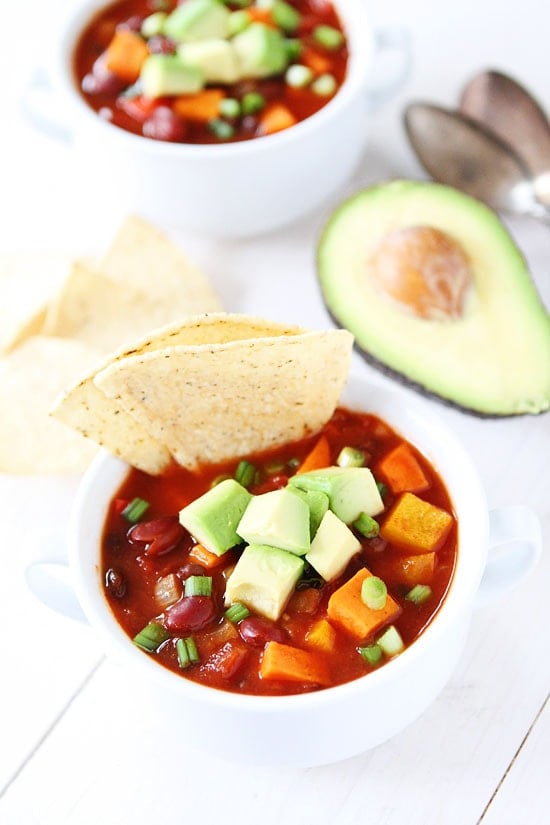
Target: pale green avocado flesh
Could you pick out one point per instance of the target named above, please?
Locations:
(493, 358)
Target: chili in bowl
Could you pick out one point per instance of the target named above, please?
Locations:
(217, 182)
(211, 685)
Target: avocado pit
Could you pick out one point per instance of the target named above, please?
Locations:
(424, 270)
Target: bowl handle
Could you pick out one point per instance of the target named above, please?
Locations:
(392, 64)
(515, 546)
(47, 572)
(41, 108)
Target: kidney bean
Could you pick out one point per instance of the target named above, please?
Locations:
(102, 84)
(115, 583)
(189, 614)
(165, 125)
(191, 569)
(160, 44)
(132, 24)
(159, 535)
(258, 631)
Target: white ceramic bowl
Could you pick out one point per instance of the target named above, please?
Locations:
(229, 190)
(335, 723)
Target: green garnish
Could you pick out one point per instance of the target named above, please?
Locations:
(151, 637)
(221, 128)
(350, 457)
(293, 463)
(325, 85)
(293, 48)
(237, 22)
(135, 510)
(245, 473)
(374, 593)
(367, 526)
(419, 594)
(187, 652)
(328, 37)
(371, 654)
(237, 612)
(285, 16)
(391, 642)
(252, 102)
(230, 107)
(298, 76)
(198, 586)
(382, 488)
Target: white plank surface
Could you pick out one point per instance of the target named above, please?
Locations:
(78, 742)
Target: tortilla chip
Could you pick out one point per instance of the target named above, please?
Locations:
(107, 314)
(211, 402)
(26, 282)
(142, 258)
(31, 377)
(100, 418)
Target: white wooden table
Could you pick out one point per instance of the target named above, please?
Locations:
(75, 747)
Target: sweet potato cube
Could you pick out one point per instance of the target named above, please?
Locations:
(347, 609)
(402, 471)
(416, 525)
(322, 636)
(126, 54)
(413, 570)
(291, 664)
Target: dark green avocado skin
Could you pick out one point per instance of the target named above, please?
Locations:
(413, 385)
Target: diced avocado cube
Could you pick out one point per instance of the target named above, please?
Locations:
(278, 518)
(197, 20)
(167, 74)
(261, 51)
(212, 518)
(263, 579)
(333, 547)
(214, 57)
(318, 504)
(351, 490)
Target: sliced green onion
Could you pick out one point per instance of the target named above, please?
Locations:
(285, 16)
(153, 24)
(293, 48)
(391, 642)
(237, 612)
(187, 652)
(221, 128)
(325, 85)
(328, 37)
(237, 22)
(241, 4)
(245, 473)
(293, 463)
(198, 586)
(371, 653)
(350, 457)
(298, 76)
(419, 594)
(374, 593)
(151, 637)
(135, 510)
(382, 488)
(367, 526)
(273, 467)
(252, 102)
(230, 107)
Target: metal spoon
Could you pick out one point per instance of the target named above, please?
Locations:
(500, 103)
(458, 151)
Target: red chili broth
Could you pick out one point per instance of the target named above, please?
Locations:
(177, 487)
(302, 103)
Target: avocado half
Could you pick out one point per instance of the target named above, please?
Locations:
(435, 292)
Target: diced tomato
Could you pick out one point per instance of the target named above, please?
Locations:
(139, 108)
(120, 504)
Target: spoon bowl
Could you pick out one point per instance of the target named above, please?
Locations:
(458, 151)
(504, 106)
